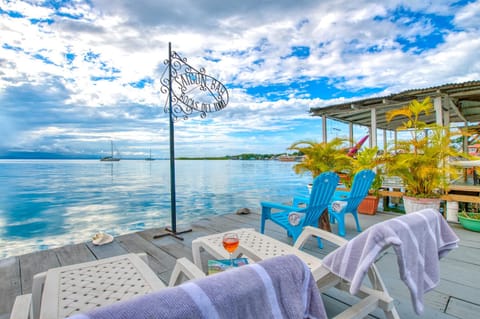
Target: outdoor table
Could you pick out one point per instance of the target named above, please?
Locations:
(254, 246)
(83, 287)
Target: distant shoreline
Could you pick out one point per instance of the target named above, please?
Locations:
(132, 159)
(56, 156)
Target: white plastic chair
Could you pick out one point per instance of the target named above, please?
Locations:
(256, 247)
(28, 305)
(371, 298)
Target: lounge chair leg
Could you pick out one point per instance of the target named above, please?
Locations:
(186, 267)
(22, 307)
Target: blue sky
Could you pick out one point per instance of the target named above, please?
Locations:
(76, 74)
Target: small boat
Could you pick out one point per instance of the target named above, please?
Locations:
(110, 158)
(149, 158)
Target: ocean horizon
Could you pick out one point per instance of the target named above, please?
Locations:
(51, 203)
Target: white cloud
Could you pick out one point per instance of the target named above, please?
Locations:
(59, 59)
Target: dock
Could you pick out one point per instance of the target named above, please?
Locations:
(457, 295)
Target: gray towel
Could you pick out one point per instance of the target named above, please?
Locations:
(281, 287)
(419, 239)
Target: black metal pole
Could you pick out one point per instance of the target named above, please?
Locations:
(173, 200)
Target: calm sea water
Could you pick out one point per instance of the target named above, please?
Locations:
(50, 203)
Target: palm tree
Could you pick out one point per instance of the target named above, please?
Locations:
(422, 161)
(322, 157)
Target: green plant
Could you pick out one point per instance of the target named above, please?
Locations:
(377, 183)
(421, 161)
(469, 215)
(368, 158)
(322, 157)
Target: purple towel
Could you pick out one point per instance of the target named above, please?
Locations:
(281, 287)
(419, 239)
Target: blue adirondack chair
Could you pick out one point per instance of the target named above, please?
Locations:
(349, 200)
(321, 196)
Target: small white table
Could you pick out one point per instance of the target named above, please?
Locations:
(254, 246)
(82, 287)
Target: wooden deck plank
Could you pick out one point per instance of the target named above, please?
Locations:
(462, 309)
(388, 268)
(456, 294)
(334, 304)
(217, 224)
(34, 263)
(73, 254)
(10, 283)
(105, 251)
(462, 285)
(161, 262)
(172, 246)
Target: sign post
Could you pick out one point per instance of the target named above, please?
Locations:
(189, 91)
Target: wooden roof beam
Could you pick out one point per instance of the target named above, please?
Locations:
(455, 108)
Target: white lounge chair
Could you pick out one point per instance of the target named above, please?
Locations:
(281, 287)
(63, 291)
(257, 247)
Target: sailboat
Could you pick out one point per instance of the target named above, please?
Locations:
(149, 158)
(110, 158)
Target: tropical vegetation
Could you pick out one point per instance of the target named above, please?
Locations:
(368, 158)
(422, 160)
(322, 157)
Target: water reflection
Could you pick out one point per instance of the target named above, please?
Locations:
(45, 204)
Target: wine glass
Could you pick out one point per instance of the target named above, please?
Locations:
(230, 242)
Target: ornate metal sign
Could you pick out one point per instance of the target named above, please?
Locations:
(191, 90)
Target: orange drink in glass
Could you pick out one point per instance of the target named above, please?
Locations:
(230, 242)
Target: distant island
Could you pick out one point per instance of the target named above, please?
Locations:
(43, 155)
(46, 155)
(247, 156)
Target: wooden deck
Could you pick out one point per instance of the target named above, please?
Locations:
(457, 296)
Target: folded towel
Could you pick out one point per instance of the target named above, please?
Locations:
(281, 287)
(338, 205)
(419, 239)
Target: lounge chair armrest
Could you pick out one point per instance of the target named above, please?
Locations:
(37, 292)
(297, 200)
(312, 231)
(186, 267)
(22, 307)
(144, 257)
(281, 207)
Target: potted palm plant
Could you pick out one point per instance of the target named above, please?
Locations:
(421, 161)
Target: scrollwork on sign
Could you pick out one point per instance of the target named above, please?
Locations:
(192, 90)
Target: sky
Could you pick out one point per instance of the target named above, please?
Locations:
(75, 75)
